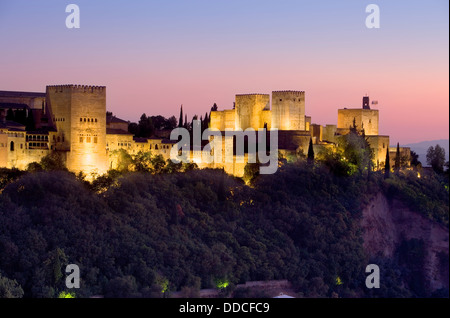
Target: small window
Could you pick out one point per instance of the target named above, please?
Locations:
(88, 139)
(95, 119)
(81, 139)
(12, 146)
(89, 120)
(281, 100)
(81, 119)
(85, 120)
(95, 140)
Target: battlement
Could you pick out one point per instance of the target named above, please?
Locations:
(253, 94)
(293, 93)
(76, 88)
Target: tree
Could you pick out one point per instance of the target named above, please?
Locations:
(414, 159)
(133, 128)
(436, 158)
(158, 163)
(397, 159)
(214, 107)
(53, 161)
(387, 165)
(10, 114)
(145, 126)
(142, 161)
(123, 160)
(310, 152)
(251, 171)
(180, 121)
(10, 288)
(171, 123)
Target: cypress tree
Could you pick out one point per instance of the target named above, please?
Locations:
(310, 152)
(397, 159)
(387, 165)
(180, 121)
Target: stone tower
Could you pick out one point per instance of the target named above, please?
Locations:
(79, 115)
(288, 110)
(250, 110)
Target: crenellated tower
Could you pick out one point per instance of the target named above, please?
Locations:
(288, 110)
(79, 114)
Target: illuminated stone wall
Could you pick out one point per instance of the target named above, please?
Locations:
(249, 108)
(222, 120)
(379, 144)
(288, 110)
(367, 118)
(79, 114)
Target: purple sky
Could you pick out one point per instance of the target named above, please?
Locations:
(154, 56)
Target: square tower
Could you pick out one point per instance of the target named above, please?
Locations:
(249, 110)
(79, 114)
(288, 110)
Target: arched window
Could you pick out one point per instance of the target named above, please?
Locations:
(11, 147)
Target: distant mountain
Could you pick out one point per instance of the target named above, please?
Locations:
(421, 148)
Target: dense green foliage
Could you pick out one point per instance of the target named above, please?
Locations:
(142, 234)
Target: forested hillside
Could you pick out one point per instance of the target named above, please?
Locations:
(150, 234)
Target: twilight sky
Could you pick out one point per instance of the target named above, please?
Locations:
(154, 56)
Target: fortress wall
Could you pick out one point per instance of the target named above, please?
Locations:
(20, 157)
(316, 132)
(217, 120)
(249, 108)
(367, 118)
(405, 152)
(3, 150)
(307, 122)
(34, 102)
(229, 118)
(288, 110)
(294, 140)
(329, 133)
(266, 118)
(88, 129)
(380, 144)
(59, 104)
(79, 113)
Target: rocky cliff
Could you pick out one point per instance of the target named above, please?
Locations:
(388, 223)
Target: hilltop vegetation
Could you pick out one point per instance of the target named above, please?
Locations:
(154, 227)
(141, 234)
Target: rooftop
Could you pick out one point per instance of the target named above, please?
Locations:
(20, 94)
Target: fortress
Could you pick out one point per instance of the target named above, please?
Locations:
(72, 120)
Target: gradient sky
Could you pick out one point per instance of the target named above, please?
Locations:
(154, 56)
